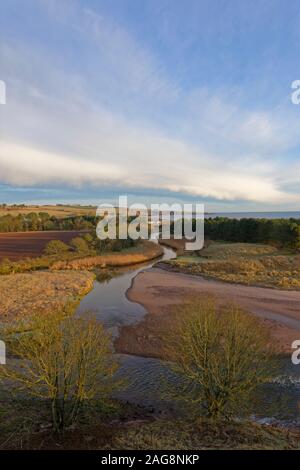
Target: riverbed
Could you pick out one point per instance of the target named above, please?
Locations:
(148, 377)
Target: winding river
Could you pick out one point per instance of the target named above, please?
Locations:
(108, 301)
(280, 400)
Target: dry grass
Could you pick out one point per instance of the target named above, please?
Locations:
(244, 263)
(185, 435)
(141, 253)
(42, 292)
(225, 250)
(140, 433)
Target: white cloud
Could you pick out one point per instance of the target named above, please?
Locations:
(58, 131)
(135, 160)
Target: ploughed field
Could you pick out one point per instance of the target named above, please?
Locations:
(19, 245)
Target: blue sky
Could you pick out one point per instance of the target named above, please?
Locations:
(162, 100)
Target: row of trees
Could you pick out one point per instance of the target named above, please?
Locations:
(284, 233)
(88, 244)
(43, 221)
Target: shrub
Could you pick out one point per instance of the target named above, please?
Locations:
(65, 360)
(5, 266)
(222, 358)
(79, 244)
(56, 247)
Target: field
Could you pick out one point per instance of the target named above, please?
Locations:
(42, 292)
(55, 210)
(19, 245)
(245, 263)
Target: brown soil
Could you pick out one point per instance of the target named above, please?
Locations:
(19, 245)
(159, 291)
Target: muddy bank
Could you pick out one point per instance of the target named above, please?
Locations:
(158, 291)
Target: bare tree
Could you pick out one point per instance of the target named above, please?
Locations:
(221, 357)
(66, 360)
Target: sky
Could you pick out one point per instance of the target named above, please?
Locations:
(162, 100)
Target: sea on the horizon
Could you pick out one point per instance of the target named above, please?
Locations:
(256, 215)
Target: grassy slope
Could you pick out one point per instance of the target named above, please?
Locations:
(244, 263)
(201, 435)
(41, 292)
(138, 433)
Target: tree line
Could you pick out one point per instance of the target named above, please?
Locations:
(41, 221)
(283, 233)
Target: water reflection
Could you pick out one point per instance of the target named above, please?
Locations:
(108, 300)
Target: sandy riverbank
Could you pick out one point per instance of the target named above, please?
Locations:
(158, 291)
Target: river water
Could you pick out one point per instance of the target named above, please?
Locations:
(108, 300)
(147, 378)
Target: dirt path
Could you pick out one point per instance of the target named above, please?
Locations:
(158, 290)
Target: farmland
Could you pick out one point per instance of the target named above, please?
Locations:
(19, 245)
(59, 211)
